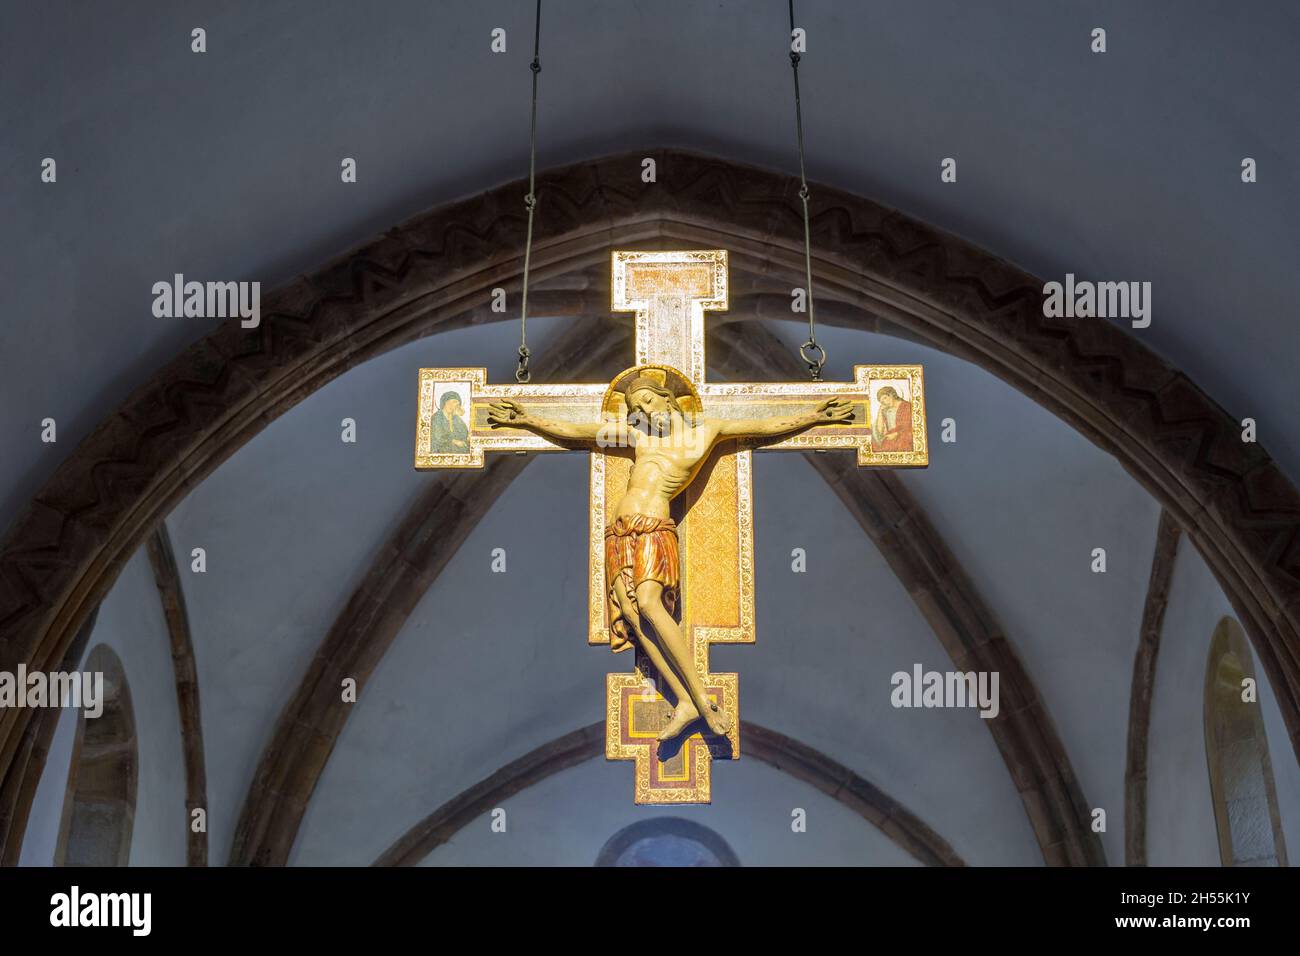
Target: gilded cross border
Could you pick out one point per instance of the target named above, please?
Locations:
(670, 294)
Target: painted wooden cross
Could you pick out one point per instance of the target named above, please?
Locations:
(670, 292)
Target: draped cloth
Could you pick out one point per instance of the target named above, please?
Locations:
(639, 548)
(897, 419)
(448, 435)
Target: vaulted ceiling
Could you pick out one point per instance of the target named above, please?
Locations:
(1123, 165)
(226, 165)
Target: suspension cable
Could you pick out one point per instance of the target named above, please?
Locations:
(810, 348)
(522, 374)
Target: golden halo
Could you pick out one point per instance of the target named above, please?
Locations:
(614, 402)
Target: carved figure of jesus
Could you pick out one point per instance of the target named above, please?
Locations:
(641, 548)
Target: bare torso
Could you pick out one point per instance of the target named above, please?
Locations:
(663, 467)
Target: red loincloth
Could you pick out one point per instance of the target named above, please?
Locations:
(639, 548)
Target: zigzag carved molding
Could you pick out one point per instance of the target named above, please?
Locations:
(64, 552)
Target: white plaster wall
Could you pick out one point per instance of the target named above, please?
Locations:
(566, 819)
(1286, 769)
(1180, 811)
(830, 640)
(467, 687)
(158, 177)
(1022, 500)
(487, 667)
(131, 623)
(443, 711)
(42, 836)
(289, 524)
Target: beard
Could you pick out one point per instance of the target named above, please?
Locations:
(658, 424)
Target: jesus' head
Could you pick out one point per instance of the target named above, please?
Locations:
(650, 402)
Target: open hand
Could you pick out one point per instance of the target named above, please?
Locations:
(508, 413)
(834, 411)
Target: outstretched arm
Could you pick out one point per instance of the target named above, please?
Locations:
(833, 411)
(506, 413)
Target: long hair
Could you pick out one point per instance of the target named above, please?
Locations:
(638, 418)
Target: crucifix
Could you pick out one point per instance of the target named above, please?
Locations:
(671, 544)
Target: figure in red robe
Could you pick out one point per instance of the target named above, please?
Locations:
(892, 429)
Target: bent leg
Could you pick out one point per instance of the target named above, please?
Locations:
(649, 598)
(627, 604)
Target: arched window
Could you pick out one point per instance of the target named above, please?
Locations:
(99, 809)
(1236, 748)
(666, 841)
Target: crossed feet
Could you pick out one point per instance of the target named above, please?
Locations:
(686, 712)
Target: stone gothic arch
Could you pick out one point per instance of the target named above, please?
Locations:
(875, 268)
